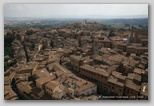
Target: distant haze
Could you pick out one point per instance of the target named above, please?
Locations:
(76, 10)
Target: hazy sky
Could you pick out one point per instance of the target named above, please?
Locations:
(74, 10)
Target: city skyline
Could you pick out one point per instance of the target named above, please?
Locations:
(88, 58)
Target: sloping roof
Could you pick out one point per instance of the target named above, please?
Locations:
(6, 81)
(59, 67)
(134, 76)
(95, 70)
(118, 75)
(52, 84)
(115, 81)
(9, 94)
(86, 86)
(44, 80)
(78, 58)
(138, 71)
(37, 91)
(130, 84)
(79, 83)
(42, 73)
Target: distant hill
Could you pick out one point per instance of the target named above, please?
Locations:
(118, 17)
(122, 22)
(57, 22)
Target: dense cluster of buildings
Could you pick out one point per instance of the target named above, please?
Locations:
(79, 61)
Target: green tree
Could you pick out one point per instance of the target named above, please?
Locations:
(92, 39)
(111, 33)
(79, 41)
(8, 50)
(29, 32)
(52, 43)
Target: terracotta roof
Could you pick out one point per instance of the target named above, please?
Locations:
(79, 83)
(24, 87)
(139, 71)
(78, 58)
(42, 73)
(95, 70)
(46, 97)
(59, 73)
(98, 57)
(52, 84)
(116, 58)
(44, 80)
(130, 84)
(115, 81)
(145, 48)
(118, 75)
(37, 92)
(6, 81)
(59, 67)
(134, 76)
(86, 86)
(9, 94)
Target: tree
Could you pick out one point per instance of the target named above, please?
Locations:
(127, 25)
(79, 41)
(92, 39)
(29, 32)
(52, 43)
(111, 33)
(32, 46)
(8, 50)
(24, 47)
